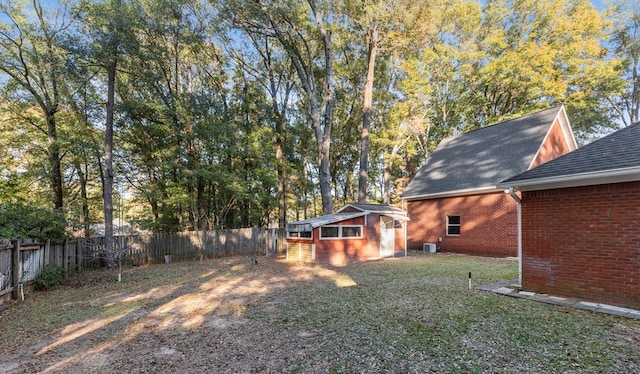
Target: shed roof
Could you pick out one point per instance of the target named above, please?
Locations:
(374, 208)
(478, 160)
(344, 214)
(327, 219)
(613, 158)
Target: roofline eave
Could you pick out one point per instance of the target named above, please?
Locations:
(630, 174)
(464, 192)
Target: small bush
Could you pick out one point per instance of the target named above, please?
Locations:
(23, 221)
(52, 276)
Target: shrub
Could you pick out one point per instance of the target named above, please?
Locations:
(22, 221)
(52, 276)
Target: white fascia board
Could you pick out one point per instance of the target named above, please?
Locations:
(576, 180)
(465, 192)
(567, 130)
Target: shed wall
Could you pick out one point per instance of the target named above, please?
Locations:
(583, 242)
(341, 251)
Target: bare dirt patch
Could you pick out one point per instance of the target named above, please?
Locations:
(182, 316)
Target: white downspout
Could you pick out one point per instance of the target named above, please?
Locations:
(519, 203)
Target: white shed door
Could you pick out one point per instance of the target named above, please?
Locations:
(386, 236)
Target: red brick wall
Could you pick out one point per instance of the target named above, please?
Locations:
(488, 224)
(342, 251)
(554, 145)
(373, 236)
(583, 242)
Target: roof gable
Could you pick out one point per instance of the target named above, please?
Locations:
(613, 158)
(348, 211)
(328, 219)
(371, 208)
(477, 161)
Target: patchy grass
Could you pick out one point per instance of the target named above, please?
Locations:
(401, 315)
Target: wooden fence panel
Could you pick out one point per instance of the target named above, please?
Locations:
(55, 255)
(82, 253)
(93, 254)
(31, 263)
(5, 266)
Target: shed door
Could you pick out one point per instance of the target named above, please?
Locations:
(386, 236)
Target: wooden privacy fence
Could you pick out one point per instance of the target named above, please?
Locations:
(151, 248)
(23, 260)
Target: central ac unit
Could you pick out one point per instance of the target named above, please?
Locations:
(429, 247)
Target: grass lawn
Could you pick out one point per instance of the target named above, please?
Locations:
(230, 315)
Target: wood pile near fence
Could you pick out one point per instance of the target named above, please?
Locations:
(23, 260)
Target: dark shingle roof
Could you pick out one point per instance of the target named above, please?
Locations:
(617, 151)
(482, 158)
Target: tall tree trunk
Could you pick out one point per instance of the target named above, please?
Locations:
(53, 150)
(366, 118)
(329, 101)
(108, 160)
(305, 71)
(203, 222)
(387, 183)
(282, 183)
(84, 218)
(280, 135)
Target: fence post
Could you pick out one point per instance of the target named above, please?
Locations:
(47, 251)
(75, 254)
(15, 268)
(266, 242)
(79, 253)
(270, 242)
(65, 255)
(77, 245)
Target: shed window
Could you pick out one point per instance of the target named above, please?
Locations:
(351, 231)
(334, 232)
(301, 235)
(453, 225)
(329, 232)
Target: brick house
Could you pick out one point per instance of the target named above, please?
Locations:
(454, 202)
(580, 233)
(356, 232)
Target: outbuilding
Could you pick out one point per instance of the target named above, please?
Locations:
(356, 232)
(579, 222)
